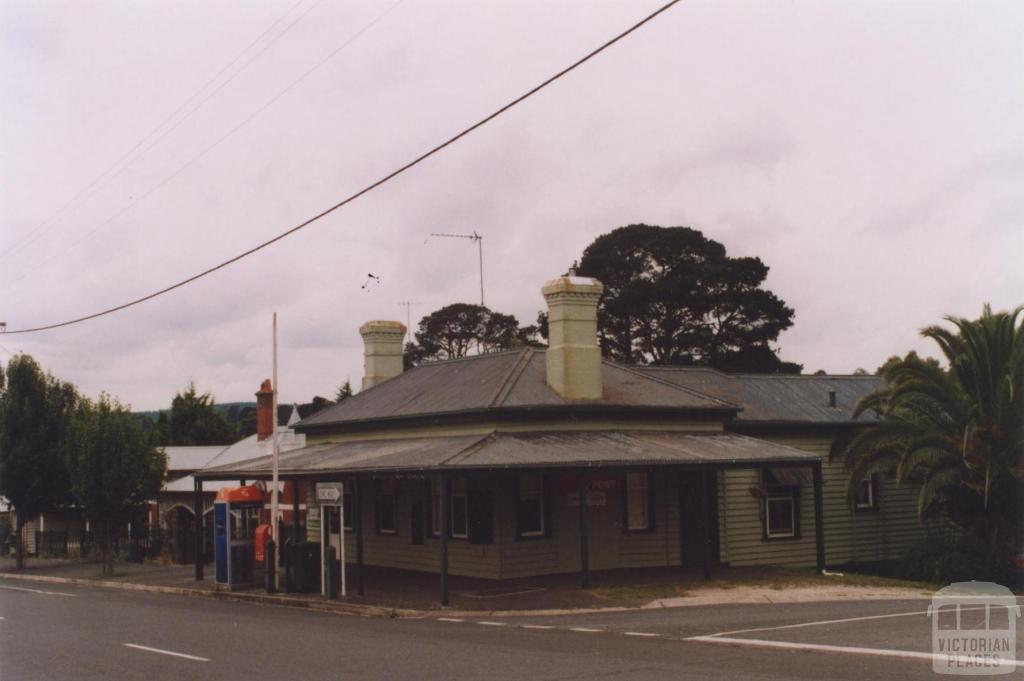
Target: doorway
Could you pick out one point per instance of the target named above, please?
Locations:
(692, 518)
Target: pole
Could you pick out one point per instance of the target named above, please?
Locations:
(584, 533)
(480, 248)
(197, 506)
(276, 447)
(819, 518)
(341, 535)
(705, 503)
(357, 521)
(445, 522)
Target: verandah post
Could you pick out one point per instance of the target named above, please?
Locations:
(197, 507)
(705, 503)
(584, 479)
(445, 523)
(819, 517)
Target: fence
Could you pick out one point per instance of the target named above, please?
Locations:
(135, 546)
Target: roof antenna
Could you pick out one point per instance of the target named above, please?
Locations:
(480, 248)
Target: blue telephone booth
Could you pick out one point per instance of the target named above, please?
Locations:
(236, 513)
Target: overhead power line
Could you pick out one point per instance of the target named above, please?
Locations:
(220, 140)
(163, 129)
(386, 178)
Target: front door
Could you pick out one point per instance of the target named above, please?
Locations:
(331, 536)
(692, 518)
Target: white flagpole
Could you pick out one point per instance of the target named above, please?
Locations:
(276, 447)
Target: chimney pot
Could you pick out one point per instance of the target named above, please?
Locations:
(832, 398)
(382, 351)
(573, 356)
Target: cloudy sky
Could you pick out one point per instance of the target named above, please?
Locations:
(871, 153)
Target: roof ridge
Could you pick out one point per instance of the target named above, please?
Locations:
(499, 396)
(751, 374)
(670, 384)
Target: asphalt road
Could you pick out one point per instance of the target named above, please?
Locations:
(70, 632)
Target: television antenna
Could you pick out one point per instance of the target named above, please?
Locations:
(407, 304)
(480, 249)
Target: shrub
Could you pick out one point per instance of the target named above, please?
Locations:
(943, 558)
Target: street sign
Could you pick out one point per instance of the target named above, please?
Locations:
(329, 492)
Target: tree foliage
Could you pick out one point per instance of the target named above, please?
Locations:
(193, 421)
(344, 392)
(33, 416)
(958, 432)
(114, 467)
(673, 296)
(463, 329)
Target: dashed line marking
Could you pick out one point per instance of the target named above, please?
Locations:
(586, 630)
(536, 626)
(493, 624)
(39, 591)
(641, 633)
(450, 619)
(166, 652)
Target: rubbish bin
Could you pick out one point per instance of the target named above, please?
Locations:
(305, 559)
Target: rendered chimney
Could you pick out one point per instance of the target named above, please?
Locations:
(265, 411)
(573, 355)
(382, 351)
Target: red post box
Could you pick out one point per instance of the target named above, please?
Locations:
(260, 539)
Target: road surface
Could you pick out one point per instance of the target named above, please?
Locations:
(71, 632)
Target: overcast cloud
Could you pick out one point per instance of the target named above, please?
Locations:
(871, 153)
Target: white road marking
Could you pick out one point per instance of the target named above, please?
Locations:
(586, 630)
(449, 619)
(786, 645)
(641, 633)
(536, 626)
(493, 624)
(840, 621)
(38, 591)
(167, 652)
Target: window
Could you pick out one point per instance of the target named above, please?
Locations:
(638, 501)
(531, 506)
(782, 504)
(459, 509)
(780, 516)
(346, 503)
(866, 496)
(386, 512)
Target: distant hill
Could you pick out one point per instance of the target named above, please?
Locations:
(224, 408)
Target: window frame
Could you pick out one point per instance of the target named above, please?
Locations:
(648, 502)
(777, 492)
(380, 496)
(453, 494)
(347, 501)
(872, 489)
(542, 500)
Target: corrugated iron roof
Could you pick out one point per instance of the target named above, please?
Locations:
(191, 458)
(501, 450)
(517, 379)
(502, 379)
(777, 397)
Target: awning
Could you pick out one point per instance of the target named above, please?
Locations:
(791, 477)
(512, 450)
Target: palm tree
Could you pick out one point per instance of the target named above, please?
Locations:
(958, 432)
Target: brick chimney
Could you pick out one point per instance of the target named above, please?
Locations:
(265, 411)
(382, 351)
(573, 355)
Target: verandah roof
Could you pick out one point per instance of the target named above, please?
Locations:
(510, 450)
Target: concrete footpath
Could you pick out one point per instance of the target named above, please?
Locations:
(396, 593)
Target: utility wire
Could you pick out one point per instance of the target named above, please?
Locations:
(140, 150)
(416, 161)
(220, 140)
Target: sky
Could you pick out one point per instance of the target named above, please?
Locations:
(870, 153)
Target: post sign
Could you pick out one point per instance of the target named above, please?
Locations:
(329, 492)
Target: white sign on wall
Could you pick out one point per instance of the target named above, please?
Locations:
(329, 492)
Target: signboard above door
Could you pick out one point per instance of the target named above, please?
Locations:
(329, 492)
